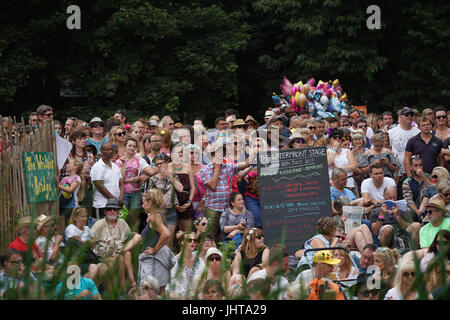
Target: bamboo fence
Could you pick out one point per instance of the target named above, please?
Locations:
(13, 193)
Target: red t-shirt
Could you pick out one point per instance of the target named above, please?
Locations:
(19, 245)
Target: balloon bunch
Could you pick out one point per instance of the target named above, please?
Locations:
(324, 100)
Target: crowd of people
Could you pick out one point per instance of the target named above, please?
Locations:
(165, 210)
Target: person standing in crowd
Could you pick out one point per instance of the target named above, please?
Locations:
(424, 144)
(167, 182)
(398, 138)
(72, 188)
(217, 178)
(442, 131)
(156, 259)
(192, 156)
(380, 155)
(118, 136)
(97, 132)
(388, 121)
(130, 169)
(33, 120)
(121, 115)
(44, 112)
(319, 133)
(339, 157)
(180, 166)
(107, 181)
(361, 125)
(414, 185)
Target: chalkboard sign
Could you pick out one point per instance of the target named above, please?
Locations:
(294, 192)
(40, 176)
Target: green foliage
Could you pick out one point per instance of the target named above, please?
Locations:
(198, 58)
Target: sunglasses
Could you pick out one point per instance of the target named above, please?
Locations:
(120, 134)
(354, 116)
(203, 224)
(300, 141)
(366, 293)
(112, 209)
(48, 114)
(214, 258)
(312, 128)
(16, 261)
(434, 176)
(346, 138)
(409, 115)
(340, 237)
(409, 274)
(346, 125)
(362, 127)
(239, 127)
(446, 194)
(224, 134)
(259, 237)
(191, 240)
(97, 125)
(416, 156)
(441, 117)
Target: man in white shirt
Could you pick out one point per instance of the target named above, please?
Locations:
(107, 181)
(278, 264)
(399, 136)
(373, 187)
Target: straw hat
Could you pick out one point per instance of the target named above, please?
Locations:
(437, 203)
(23, 222)
(42, 220)
(294, 137)
(239, 122)
(250, 119)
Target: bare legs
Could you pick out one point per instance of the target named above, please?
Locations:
(360, 237)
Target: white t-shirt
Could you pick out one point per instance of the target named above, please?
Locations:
(72, 231)
(280, 285)
(398, 139)
(110, 176)
(376, 194)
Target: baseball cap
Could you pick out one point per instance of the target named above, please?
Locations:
(153, 123)
(406, 110)
(268, 114)
(96, 119)
(325, 256)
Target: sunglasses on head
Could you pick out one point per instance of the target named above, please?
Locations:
(441, 117)
(214, 258)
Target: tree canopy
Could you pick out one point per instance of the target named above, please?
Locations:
(198, 58)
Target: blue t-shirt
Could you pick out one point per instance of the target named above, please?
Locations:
(85, 284)
(98, 144)
(335, 193)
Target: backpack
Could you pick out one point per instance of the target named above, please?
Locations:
(401, 241)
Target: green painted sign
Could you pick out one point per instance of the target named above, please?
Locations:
(40, 176)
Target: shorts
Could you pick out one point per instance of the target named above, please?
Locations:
(385, 228)
(171, 216)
